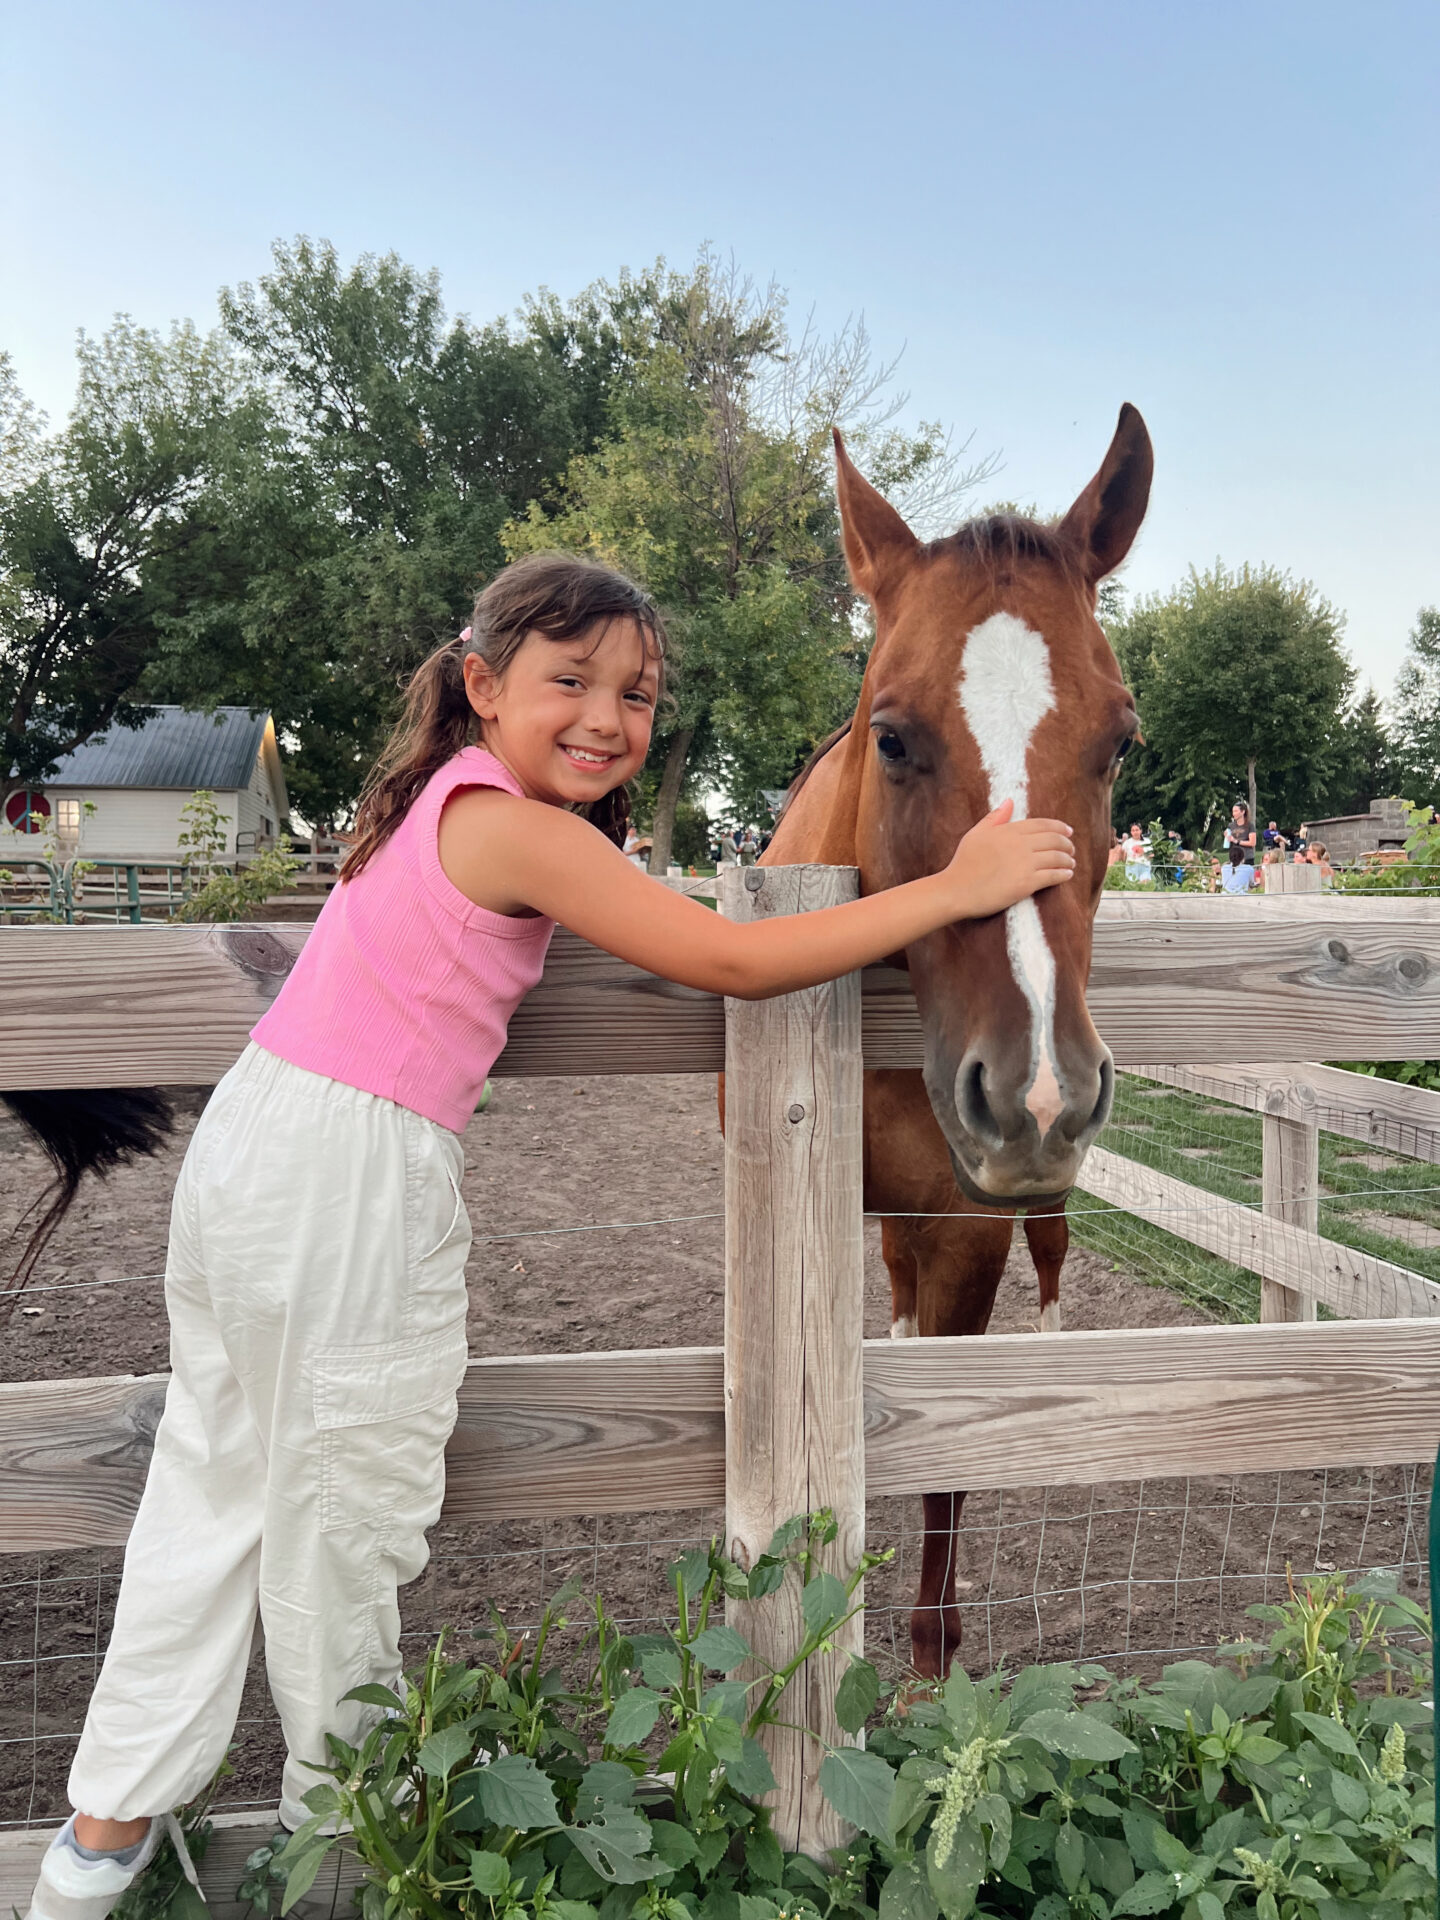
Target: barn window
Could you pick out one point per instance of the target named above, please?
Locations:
(21, 810)
(67, 819)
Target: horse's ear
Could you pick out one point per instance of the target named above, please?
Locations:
(1105, 519)
(876, 538)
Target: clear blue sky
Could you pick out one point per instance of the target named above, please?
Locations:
(1223, 212)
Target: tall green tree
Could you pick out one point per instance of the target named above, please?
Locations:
(1417, 712)
(1243, 687)
(97, 522)
(1371, 768)
(402, 440)
(714, 488)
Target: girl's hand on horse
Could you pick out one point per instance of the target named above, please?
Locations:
(525, 856)
(1002, 860)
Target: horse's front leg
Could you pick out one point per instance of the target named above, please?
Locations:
(1048, 1237)
(958, 1262)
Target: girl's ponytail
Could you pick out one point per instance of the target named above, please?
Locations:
(611, 815)
(434, 726)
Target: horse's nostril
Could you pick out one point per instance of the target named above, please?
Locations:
(975, 1109)
(1107, 1093)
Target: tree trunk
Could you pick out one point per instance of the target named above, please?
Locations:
(662, 831)
(1254, 808)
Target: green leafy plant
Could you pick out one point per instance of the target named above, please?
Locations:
(1294, 1781)
(220, 892)
(1279, 1785)
(504, 1787)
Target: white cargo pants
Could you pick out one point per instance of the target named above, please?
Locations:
(316, 1289)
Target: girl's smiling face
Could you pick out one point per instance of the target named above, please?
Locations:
(571, 719)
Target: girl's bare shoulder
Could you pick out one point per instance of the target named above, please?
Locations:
(476, 825)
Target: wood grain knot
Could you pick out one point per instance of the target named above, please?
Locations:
(266, 960)
(1336, 966)
(142, 1417)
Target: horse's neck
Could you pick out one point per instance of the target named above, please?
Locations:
(819, 824)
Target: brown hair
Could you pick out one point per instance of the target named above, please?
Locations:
(552, 594)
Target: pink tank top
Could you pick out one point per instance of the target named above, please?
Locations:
(405, 988)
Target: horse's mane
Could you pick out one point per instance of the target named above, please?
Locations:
(810, 765)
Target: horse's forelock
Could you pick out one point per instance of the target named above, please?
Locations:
(1000, 539)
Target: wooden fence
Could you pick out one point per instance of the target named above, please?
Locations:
(798, 1410)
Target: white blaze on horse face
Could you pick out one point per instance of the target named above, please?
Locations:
(1005, 692)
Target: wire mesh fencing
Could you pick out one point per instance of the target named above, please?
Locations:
(1130, 1575)
(1384, 1202)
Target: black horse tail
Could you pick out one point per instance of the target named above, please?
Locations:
(80, 1133)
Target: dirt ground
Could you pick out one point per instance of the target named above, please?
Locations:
(1126, 1572)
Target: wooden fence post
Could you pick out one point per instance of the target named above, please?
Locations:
(794, 1409)
(1290, 1183)
(1291, 879)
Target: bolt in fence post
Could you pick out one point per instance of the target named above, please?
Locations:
(794, 1411)
(1290, 1185)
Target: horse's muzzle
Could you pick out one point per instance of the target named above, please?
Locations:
(1006, 1150)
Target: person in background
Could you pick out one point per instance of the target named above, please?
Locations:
(1241, 831)
(1137, 854)
(1273, 839)
(1317, 855)
(1237, 875)
(1117, 850)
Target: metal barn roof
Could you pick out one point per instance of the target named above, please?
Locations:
(174, 748)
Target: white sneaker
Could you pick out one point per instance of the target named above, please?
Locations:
(71, 1887)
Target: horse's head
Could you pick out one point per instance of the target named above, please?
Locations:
(990, 679)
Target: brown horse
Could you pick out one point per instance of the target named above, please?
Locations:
(990, 678)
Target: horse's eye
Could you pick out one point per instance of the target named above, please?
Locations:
(890, 746)
(1124, 747)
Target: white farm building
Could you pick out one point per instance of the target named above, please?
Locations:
(119, 796)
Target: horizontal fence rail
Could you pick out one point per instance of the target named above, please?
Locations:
(1358, 979)
(1378, 1113)
(1356, 1285)
(600, 1433)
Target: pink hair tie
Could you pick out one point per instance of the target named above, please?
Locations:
(467, 633)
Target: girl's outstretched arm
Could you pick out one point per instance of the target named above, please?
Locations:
(512, 855)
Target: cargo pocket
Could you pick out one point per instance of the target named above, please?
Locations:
(384, 1415)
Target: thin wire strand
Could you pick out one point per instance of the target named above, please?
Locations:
(1219, 1205)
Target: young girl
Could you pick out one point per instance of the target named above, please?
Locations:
(316, 1270)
